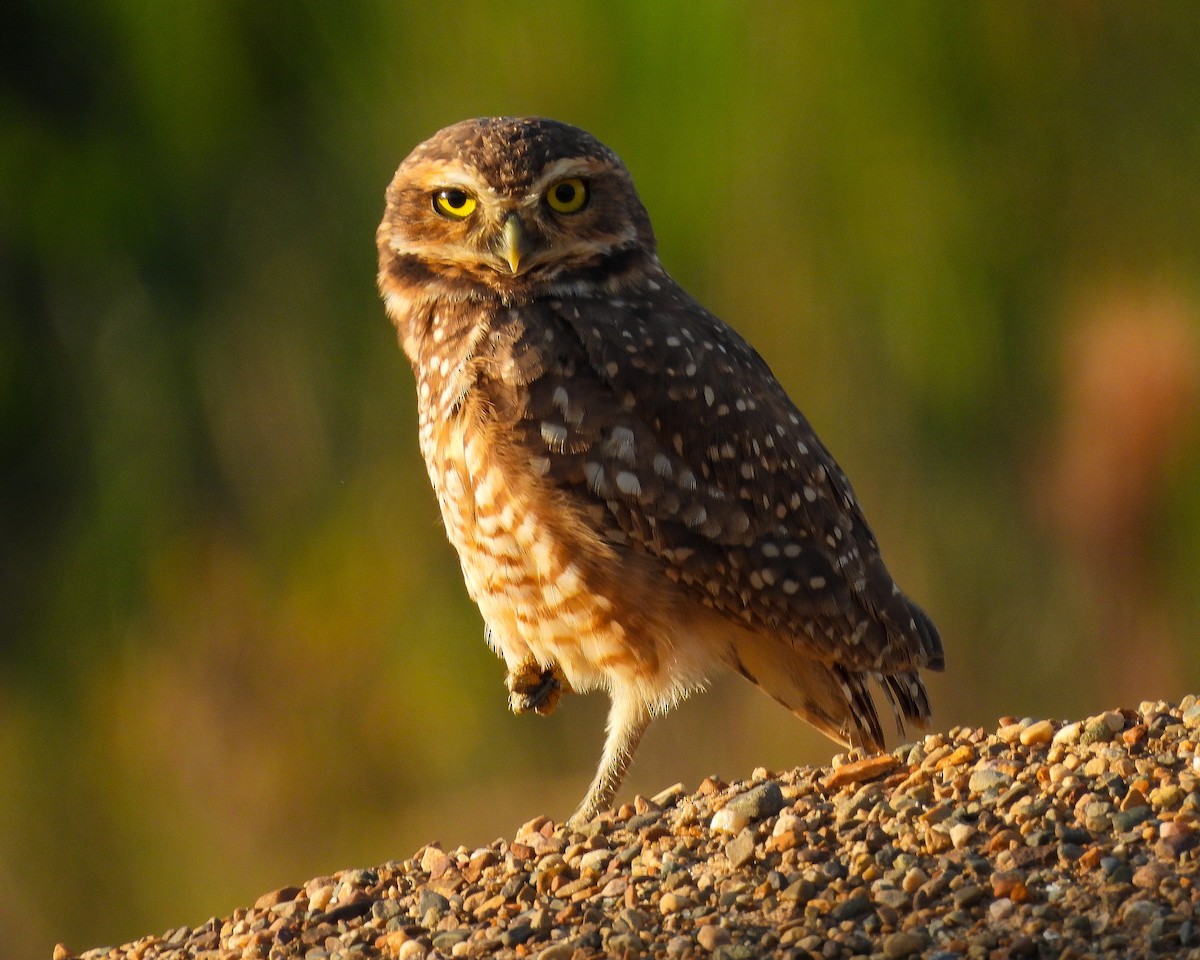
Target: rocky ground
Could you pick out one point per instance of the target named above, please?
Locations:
(1042, 839)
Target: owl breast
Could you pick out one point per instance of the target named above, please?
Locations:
(547, 584)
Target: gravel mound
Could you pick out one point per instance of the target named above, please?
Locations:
(1041, 839)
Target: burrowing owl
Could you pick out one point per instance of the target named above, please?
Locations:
(634, 499)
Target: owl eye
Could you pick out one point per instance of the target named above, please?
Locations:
(454, 203)
(567, 196)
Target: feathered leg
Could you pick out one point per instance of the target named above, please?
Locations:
(628, 719)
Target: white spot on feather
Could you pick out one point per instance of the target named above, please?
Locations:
(628, 483)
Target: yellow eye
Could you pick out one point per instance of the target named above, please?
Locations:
(454, 203)
(567, 196)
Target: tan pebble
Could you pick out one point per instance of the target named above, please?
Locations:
(914, 880)
(728, 821)
(961, 834)
(711, 936)
(594, 859)
(316, 883)
(533, 826)
(521, 851)
(1010, 731)
(740, 850)
(276, 897)
(435, 862)
(936, 841)
(1003, 840)
(576, 889)
(903, 943)
(61, 952)
(1068, 733)
(1173, 829)
(963, 754)
(791, 935)
(672, 903)
(1133, 798)
(859, 771)
(319, 899)
(1111, 719)
(557, 951)
(1167, 797)
(1148, 877)
(1037, 733)
(615, 887)
(934, 757)
(666, 797)
(645, 805)
(1004, 882)
(411, 950)
(780, 842)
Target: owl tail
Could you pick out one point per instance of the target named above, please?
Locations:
(836, 700)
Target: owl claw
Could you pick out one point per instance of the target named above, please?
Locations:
(532, 688)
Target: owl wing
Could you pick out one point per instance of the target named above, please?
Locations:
(673, 435)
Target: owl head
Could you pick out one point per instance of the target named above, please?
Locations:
(511, 206)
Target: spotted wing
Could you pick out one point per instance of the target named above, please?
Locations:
(674, 436)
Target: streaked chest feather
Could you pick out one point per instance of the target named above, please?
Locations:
(523, 559)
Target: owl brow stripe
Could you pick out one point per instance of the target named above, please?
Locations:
(570, 167)
(432, 176)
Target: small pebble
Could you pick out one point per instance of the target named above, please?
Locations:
(710, 936)
(961, 834)
(763, 801)
(411, 950)
(1042, 731)
(903, 943)
(855, 906)
(729, 821)
(740, 850)
(1139, 913)
(672, 903)
(988, 778)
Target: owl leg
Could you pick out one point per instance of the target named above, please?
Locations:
(628, 719)
(530, 687)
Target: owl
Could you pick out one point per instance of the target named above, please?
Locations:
(635, 501)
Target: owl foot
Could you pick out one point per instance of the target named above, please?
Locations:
(532, 688)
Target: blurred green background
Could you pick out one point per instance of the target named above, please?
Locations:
(235, 649)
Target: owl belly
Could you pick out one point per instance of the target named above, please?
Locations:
(529, 570)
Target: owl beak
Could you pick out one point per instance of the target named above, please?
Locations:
(513, 244)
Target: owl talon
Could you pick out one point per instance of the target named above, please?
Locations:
(530, 688)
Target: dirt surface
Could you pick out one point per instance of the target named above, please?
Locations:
(1040, 839)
